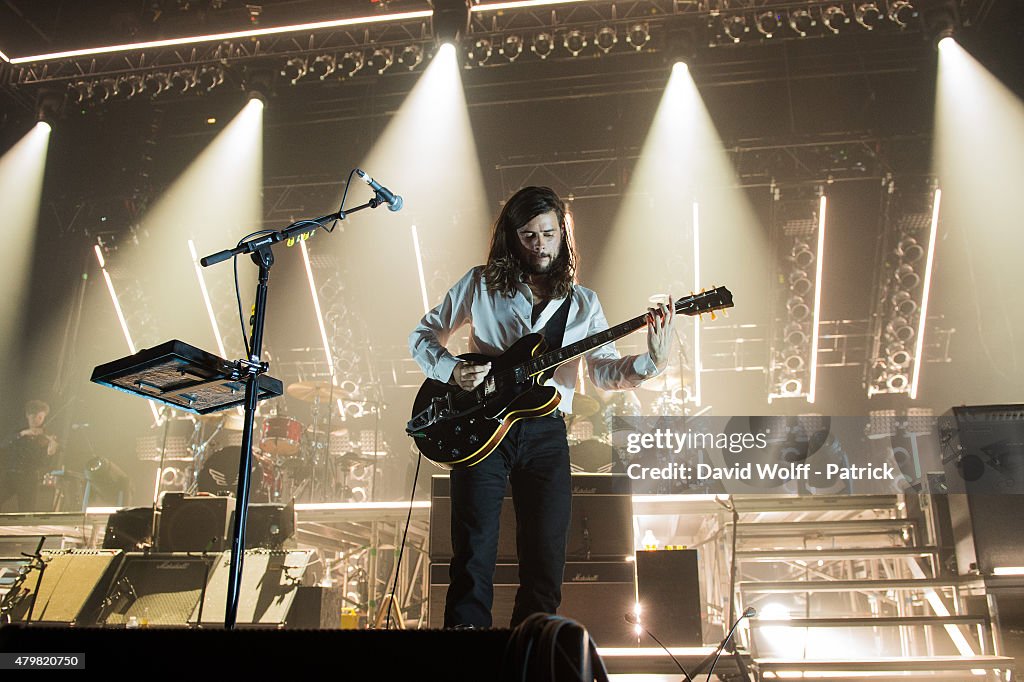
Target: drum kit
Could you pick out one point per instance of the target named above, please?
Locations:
(316, 461)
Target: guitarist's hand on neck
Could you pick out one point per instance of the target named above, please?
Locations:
(660, 321)
(468, 376)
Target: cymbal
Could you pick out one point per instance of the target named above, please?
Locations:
(309, 391)
(584, 406)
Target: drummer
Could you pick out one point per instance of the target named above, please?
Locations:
(25, 457)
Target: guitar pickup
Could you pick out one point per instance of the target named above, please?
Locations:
(521, 376)
(490, 386)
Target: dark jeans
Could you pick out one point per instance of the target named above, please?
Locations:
(534, 458)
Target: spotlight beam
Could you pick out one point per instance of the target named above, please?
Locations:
(215, 37)
(817, 299)
(919, 350)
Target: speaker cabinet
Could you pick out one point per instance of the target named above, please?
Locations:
(195, 524)
(156, 589)
(129, 529)
(72, 587)
(598, 594)
(668, 591)
(270, 583)
(601, 527)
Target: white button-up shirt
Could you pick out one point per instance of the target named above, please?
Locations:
(497, 321)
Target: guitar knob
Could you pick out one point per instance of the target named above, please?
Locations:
(456, 452)
(458, 430)
(474, 439)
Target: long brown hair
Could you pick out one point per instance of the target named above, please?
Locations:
(504, 269)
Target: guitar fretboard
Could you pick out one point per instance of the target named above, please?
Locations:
(566, 353)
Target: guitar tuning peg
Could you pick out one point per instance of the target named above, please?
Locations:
(713, 316)
(725, 313)
(691, 293)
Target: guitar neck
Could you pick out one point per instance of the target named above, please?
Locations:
(557, 357)
(696, 304)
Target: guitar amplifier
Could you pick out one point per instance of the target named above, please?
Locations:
(598, 594)
(601, 527)
(72, 587)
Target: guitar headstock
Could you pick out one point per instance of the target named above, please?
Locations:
(718, 298)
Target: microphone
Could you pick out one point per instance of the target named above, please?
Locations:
(393, 201)
(748, 612)
(632, 619)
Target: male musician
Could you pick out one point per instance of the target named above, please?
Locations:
(529, 275)
(25, 457)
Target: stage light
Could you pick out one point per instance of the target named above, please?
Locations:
(206, 298)
(868, 15)
(410, 56)
(323, 66)
(419, 270)
(542, 45)
(929, 264)
(295, 69)
(215, 37)
(80, 92)
(902, 13)
(940, 20)
(735, 27)
(815, 329)
(606, 38)
(380, 60)
(104, 89)
(909, 250)
(450, 20)
(638, 36)
(575, 41)
(768, 23)
(835, 18)
(512, 47)
(801, 21)
(352, 63)
(480, 51)
(130, 86)
(182, 81)
(156, 82)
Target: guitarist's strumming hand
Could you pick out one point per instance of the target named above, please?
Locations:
(468, 376)
(660, 321)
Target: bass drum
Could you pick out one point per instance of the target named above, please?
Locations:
(219, 475)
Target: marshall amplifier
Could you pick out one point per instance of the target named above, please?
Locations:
(601, 528)
(598, 594)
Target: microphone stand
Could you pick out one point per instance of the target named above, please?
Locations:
(261, 253)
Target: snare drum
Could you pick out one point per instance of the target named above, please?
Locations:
(281, 436)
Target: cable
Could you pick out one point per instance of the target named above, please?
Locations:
(401, 550)
(259, 233)
(632, 618)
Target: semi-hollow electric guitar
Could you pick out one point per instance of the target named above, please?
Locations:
(456, 428)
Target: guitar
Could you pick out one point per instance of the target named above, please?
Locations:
(455, 428)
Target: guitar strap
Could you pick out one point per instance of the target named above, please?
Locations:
(554, 330)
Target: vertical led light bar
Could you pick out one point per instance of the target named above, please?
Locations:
(696, 319)
(918, 352)
(120, 317)
(419, 268)
(817, 298)
(206, 299)
(113, 297)
(316, 307)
